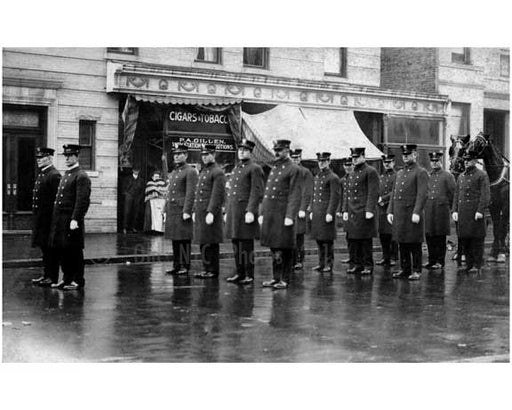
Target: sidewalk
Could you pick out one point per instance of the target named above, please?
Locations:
(139, 247)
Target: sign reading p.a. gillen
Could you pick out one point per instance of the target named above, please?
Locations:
(195, 143)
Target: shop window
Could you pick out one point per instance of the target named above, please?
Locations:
(256, 57)
(461, 55)
(414, 131)
(123, 50)
(86, 139)
(208, 55)
(505, 65)
(335, 61)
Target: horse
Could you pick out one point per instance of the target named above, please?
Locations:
(456, 152)
(497, 168)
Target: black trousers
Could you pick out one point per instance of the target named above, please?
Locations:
(298, 254)
(50, 263)
(72, 263)
(244, 257)
(474, 250)
(325, 253)
(389, 247)
(436, 249)
(282, 263)
(351, 253)
(131, 212)
(181, 251)
(210, 257)
(363, 250)
(410, 252)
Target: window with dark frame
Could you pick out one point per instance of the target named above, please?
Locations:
(122, 50)
(461, 55)
(335, 61)
(208, 55)
(256, 57)
(86, 139)
(504, 65)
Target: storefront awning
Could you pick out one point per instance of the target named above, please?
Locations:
(185, 100)
(313, 130)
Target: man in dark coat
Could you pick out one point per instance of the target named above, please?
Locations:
(210, 194)
(359, 210)
(305, 202)
(243, 199)
(326, 196)
(43, 198)
(387, 180)
(406, 213)
(67, 229)
(178, 210)
(441, 187)
(348, 167)
(281, 202)
(133, 198)
(471, 200)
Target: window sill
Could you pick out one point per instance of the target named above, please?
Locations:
(259, 67)
(207, 62)
(337, 75)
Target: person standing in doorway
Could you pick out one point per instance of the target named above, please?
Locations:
(406, 213)
(178, 210)
(323, 212)
(133, 198)
(441, 187)
(209, 199)
(43, 198)
(154, 204)
(68, 228)
(243, 199)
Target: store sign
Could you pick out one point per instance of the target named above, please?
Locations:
(185, 119)
(195, 143)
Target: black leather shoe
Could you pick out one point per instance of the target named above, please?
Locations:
(269, 283)
(382, 262)
(327, 269)
(182, 271)
(400, 275)
(345, 260)
(298, 266)
(414, 276)
(172, 271)
(353, 270)
(392, 262)
(206, 275)
(366, 271)
(473, 270)
(318, 268)
(280, 285)
(246, 281)
(427, 265)
(45, 283)
(234, 278)
(58, 285)
(436, 266)
(38, 280)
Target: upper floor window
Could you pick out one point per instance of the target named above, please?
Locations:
(461, 55)
(208, 55)
(256, 57)
(505, 65)
(335, 61)
(86, 138)
(123, 50)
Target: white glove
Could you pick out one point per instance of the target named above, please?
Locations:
(260, 219)
(390, 219)
(339, 214)
(369, 215)
(193, 216)
(186, 216)
(302, 214)
(288, 222)
(345, 216)
(311, 216)
(73, 225)
(249, 217)
(415, 218)
(328, 218)
(455, 216)
(225, 217)
(478, 216)
(209, 218)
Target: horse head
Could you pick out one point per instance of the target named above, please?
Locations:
(456, 151)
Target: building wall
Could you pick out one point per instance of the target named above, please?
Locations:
(82, 72)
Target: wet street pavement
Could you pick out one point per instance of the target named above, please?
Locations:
(136, 313)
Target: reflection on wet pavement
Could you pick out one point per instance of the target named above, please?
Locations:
(136, 313)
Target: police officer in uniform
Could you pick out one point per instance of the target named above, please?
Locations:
(471, 200)
(301, 220)
(43, 198)
(441, 187)
(405, 212)
(359, 210)
(178, 210)
(281, 202)
(348, 167)
(326, 196)
(387, 180)
(210, 194)
(243, 199)
(67, 229)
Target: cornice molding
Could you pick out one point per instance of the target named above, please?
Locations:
(31, 83)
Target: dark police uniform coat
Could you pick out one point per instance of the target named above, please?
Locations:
(43, 198)
(281, 200)
(179, 200)
(245, 195)
(326, 196)
(472, 195)
(210, 194)
(441, 187)
(387, 179)
(408, 197)
(71, 202)
(362, 193)
(305, 202)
